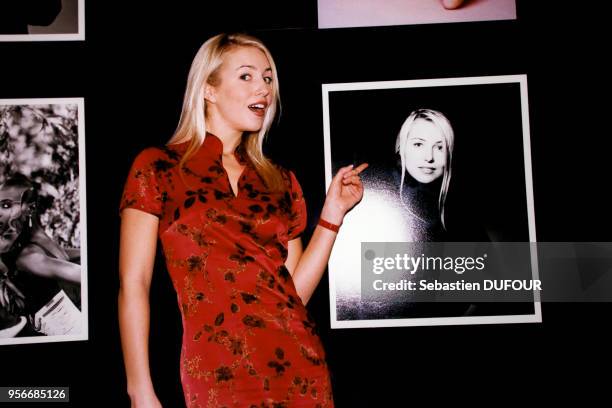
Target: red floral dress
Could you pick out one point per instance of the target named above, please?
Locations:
(248, 340)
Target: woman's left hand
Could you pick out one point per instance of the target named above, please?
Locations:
(344, 192)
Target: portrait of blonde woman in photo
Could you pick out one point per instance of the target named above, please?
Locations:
(434, 188)
(406, 202)
(229, 221)
(425, 147)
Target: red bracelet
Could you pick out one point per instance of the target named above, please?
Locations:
(329, 225)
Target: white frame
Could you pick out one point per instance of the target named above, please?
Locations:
(536, 317)
(83, 220)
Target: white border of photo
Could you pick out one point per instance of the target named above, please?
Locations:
(536, 317)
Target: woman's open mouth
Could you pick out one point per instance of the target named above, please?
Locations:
(258, 109)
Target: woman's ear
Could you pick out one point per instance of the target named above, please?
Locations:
(210, 94)
(31, 209)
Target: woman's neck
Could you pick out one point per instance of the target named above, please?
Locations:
(422, 198)
(230, 138)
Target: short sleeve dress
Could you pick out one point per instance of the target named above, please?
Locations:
(248, 340)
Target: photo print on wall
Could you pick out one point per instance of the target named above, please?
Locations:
(43, 245)
(450, 173)
(370, 13)
(42, 20)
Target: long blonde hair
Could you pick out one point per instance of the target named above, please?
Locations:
(442, 123)
(192, 124)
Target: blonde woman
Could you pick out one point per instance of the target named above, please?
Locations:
(425, 147)
(229, 221)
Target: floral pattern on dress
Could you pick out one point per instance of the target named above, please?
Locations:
(248, 341)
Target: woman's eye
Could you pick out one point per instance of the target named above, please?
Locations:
(6, 205)
(245, 77)
(417, 144)
(440, 147)
(268, 80)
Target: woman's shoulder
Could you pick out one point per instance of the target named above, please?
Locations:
(171, 151)
(286, 174)
(160, 158)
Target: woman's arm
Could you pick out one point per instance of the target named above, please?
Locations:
(136, 259)
(33, 260)
(308, 266)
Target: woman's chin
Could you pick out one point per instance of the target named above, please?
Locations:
(253, 125)
(426, 179)
(252, 129)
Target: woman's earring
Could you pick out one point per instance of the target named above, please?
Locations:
(30, 221)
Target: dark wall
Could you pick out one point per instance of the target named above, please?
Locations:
(131, 71)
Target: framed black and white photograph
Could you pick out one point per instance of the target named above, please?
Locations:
(43, 240)
(368, 13)
(42, 20)
(449, 169)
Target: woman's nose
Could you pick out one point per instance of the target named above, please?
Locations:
(429, 156)
(263, 89)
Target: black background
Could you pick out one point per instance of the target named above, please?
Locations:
(131, 71)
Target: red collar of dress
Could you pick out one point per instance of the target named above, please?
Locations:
(212, 147)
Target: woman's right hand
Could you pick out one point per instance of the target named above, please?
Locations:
(345, 191)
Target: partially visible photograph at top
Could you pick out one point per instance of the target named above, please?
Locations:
(42, 20)
(369, 13)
